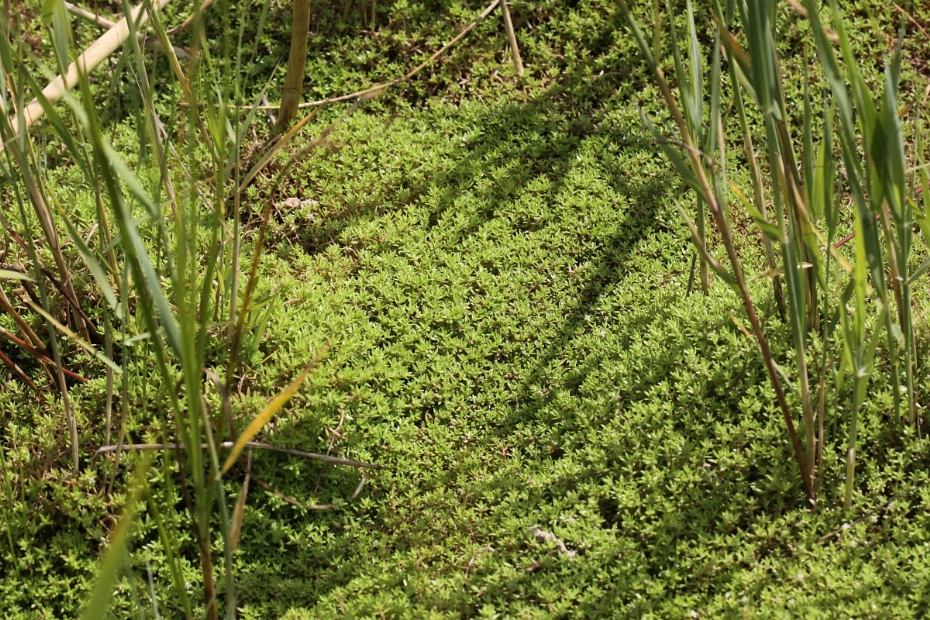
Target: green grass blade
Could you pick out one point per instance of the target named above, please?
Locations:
(8, 274)
(93, 265)
(55, 16)
(922, 213)
(759, 34)
(117, 548)
(831, 68)
(99, 355)
(696, 62)
(769, 229)
(822, 189)
(865, 105)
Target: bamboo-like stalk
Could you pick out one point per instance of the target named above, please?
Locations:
(296, 65)
(512, 38)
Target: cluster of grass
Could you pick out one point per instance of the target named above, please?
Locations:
(841, 303)
(502, 273)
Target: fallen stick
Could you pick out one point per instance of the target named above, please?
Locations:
(798, 8)
(545, 536)
(249, 444)
(150, 43)
(109, 42)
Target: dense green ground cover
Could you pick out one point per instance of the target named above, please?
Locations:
(502, 273)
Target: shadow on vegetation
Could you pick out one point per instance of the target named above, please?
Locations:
(552, 152)
(553, 127)
(559, 121)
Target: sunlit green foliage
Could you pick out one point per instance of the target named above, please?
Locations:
(501, 269)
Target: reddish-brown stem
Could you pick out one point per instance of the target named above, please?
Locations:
(707, 194)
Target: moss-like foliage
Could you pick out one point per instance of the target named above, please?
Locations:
(503, 276)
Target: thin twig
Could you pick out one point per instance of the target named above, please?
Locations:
(913, 21)
(329, 447)
(91, 17)
(190, 18)
(19, 372)
(847, 526)
(250, 444)
(267, 108)
(288, 498)
(377, 88)
(358, 489)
